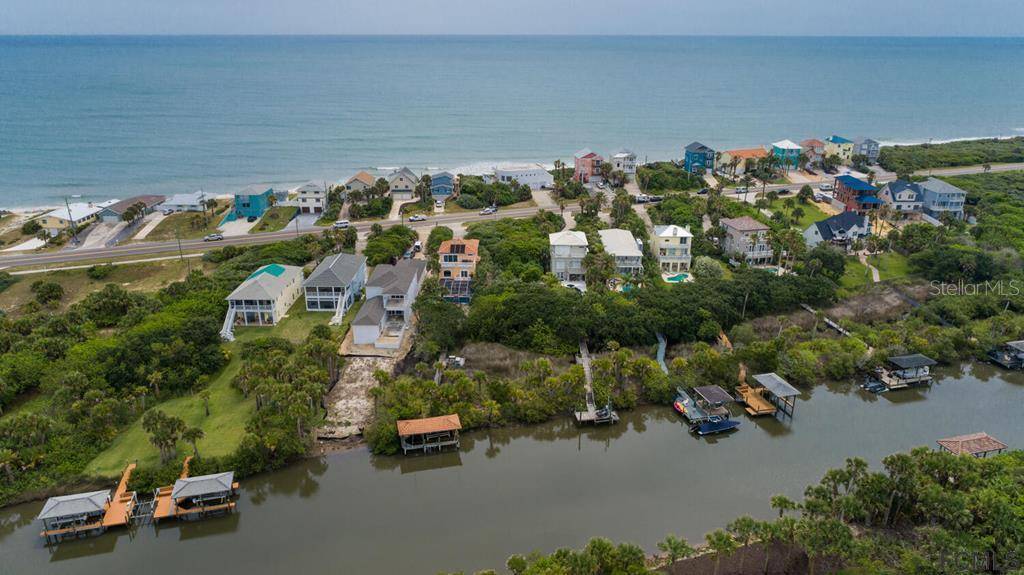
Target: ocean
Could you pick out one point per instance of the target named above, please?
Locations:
(104, 117)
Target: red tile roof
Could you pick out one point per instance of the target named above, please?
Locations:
(429, 425)
(972, 444)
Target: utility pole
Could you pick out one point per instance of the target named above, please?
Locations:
(181, 254)
(71, 222)
(296, 225)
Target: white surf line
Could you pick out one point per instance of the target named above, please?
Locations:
(86, 266)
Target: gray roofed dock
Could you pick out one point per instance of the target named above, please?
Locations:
(780, 393)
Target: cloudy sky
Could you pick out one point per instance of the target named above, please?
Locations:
(726, 17)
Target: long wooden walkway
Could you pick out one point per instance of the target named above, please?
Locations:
(164, 505)
(592, 414)
(119, 510)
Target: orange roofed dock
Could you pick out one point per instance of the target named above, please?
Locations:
(429, 433)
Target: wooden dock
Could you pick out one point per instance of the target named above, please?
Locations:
(592, 414)
(119, 511)
(754, 401)
(164, 507)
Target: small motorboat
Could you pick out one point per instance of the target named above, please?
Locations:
(872, 385)
(688, 408)
(715, 424)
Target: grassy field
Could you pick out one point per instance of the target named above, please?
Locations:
(275, 219)
(891, 265)
(147, 277)
(294, 327)
(856, 276)
(188, 225)
(811, 212)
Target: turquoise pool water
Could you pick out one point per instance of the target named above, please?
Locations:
(677, 278)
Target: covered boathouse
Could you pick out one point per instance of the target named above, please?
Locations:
(776, 392)
(1010, 355)
(429, 433)
(84, 514)
(901, 371)
(195, 497)
(976, 444)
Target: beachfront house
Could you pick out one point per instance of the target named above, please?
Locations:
(359, 182)
(904, 198)
(385, 316)
(622, 246)
(698, 158)
(402, 184)
(442, 185)
(841, 229)
(787, 153)
(77, 214)
(672, 245)
(840, 147)
(868, 148)
(746, 240)
(624, 161)
(942, 199)
(253, 201)
(587, 166)
(458, 259)
(568, 248)
(814, 150)
(312, 197)
(335, 284)
(533, 175)
(115, 213)
(856, 195)
(193, 202)
(263, 298)
(735, 161)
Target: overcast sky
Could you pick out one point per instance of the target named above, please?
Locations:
(726, 17)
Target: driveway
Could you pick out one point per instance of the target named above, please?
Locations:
(239, 227)
(101, 233)
(150, 222)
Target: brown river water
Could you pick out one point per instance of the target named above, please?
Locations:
(518, 489)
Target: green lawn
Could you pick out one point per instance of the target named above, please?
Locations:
(811, 212)
(294, 327)
(188, 225)
(891, 265)
(274, 219)
(857, 275)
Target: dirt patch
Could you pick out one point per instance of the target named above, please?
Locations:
(497, 360)
(750, 560)
(349, 405)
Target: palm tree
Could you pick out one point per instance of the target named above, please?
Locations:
(193, 435)
(720, 543)
(154, 381)
(205, 396)
(767, 533)
(743, 530)
(782, 504)
(675, 548)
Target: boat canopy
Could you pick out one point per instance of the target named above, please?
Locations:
(776, 385)
(911, 361)
(713, 394)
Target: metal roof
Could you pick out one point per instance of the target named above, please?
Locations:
(713, 394)
(337, 270)
(698, 148)
(203, 485)
(776, 385)
(672, 231)
(267, 282)
(1017, 345)
(855, 184)
(838, 140)
(567, 238)
(911, 361)
(77, 504)
(255, 190)
(190, 199)
(786, 145)
(619, 243)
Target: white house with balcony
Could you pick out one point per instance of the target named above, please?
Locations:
(535, 176)
(622, 246)
(568, 248)
(746, 240)
(335, 284)
(263, 298)
(311, 198)
(672, 247)
(625, 161)
(387, 313)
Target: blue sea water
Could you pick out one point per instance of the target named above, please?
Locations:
(114, 116)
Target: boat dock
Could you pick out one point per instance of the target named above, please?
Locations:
(593, 414)
(195, 497)
(1009, 356)
(84, 514)
(753, 400)
(119, 511)
(902, 371)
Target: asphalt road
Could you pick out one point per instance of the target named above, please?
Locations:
(151, 248)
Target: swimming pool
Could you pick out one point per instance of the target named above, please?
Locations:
(677, 278)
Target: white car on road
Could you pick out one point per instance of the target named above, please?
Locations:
(340, 224)
(418, 218)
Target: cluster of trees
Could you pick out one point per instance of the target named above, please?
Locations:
(666, 176)
(334, 204)
(475, 194)
(134, 212)
(518, 247)
(908, 159)
(386, 246)
(997, 200)
(374, 202)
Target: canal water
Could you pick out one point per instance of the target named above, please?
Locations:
(532, 488)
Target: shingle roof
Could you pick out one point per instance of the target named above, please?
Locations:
(896, 187)
(77, 504)
(409, 175)
(371, 312)
(972, 444)
(78, 211)
(268, 282)
(310, 186)
(840, 223)
(812, 143)
(855, 184)
(698, 148)
(123, 205)
(429, 424)
(203, 485)
(567, 238)
(337, 270)
(396, 279)
(672, 231)
(744, 224)
(938, 186)
(911, 361)
(619, 243)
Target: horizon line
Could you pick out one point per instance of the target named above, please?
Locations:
(476, 35)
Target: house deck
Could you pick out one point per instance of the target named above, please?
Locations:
(754, 400)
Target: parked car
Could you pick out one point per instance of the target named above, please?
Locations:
(702, 191)
(640, 199)
(785, 191)
(168, 212)
(418, 246)
(741, 189)
(819, 197)
(418, 218)
(488, 211)
(654, 199)
(825, 187)
(213, 238)
(340, 224)
(251, 219)
(438, 203)
(407, 255)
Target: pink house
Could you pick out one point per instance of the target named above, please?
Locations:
(587, 166)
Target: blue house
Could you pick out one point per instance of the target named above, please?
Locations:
(698, 158)
(252, 201)
(788, 153)
(442, 184)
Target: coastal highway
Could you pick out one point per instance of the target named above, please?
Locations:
(166, 247)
